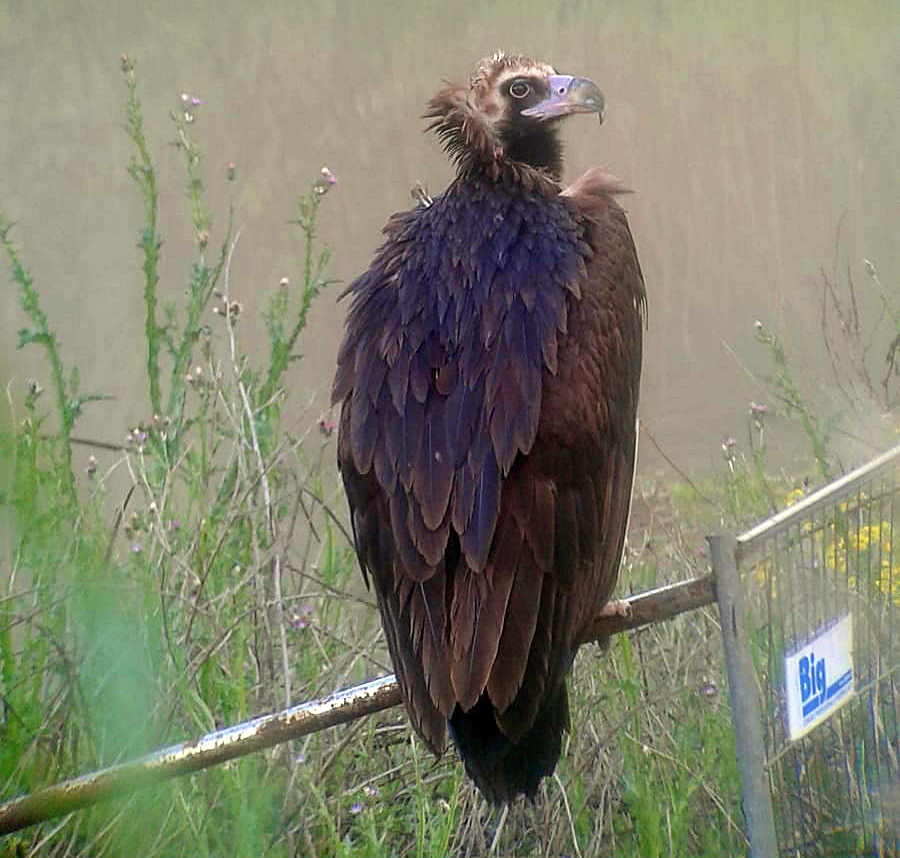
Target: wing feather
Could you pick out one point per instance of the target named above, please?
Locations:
(433, 480)
(489, 384)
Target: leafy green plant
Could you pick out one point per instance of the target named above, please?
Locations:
(189, 609)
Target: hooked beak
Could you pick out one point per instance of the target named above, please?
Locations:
(568, 95)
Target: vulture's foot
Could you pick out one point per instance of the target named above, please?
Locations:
(616, 608)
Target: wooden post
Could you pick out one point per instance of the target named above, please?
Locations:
(745, 709)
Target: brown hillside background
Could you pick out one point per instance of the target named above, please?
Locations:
(748, 132)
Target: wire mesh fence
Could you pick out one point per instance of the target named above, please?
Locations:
(823, 575)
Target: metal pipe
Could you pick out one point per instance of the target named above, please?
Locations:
(654, 606)
(210, 750)
(268, 730)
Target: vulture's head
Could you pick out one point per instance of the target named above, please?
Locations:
(507, 119)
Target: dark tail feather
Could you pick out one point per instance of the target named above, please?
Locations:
(500, 768)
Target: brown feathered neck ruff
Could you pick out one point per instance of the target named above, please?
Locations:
(475, 132)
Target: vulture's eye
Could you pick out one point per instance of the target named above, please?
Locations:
(519, 88)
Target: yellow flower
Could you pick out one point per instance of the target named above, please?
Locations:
(793, 496)
(866, 551)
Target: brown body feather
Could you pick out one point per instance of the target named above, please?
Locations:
(493, 529)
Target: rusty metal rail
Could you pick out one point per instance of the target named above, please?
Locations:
(266, 731)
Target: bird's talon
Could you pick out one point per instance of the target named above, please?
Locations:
(616, 608)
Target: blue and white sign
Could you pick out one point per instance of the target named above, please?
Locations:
(819, 677)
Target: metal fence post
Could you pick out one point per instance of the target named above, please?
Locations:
(745, 708)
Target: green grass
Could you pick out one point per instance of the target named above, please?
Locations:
(199, 576)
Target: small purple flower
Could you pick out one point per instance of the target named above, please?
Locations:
(189, 106)
(326, 181)
(728, 448)
(356, 808)
(302, 620)
(708, 688)
(175, 524)
(757, 409)
(136, 548)
(327, 426)
(370, 791)
(299, 759)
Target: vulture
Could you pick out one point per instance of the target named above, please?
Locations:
(488, 388)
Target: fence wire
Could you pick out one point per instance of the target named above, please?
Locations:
(836, 790)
